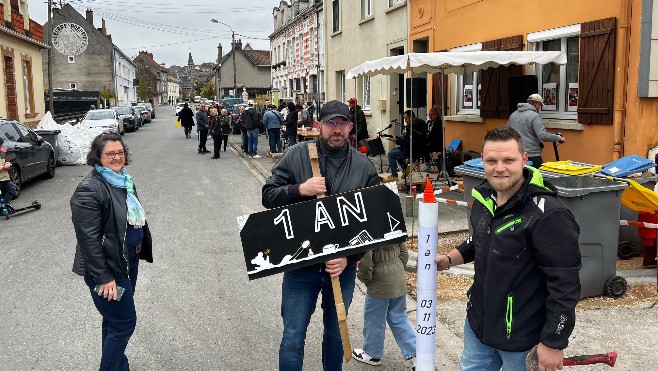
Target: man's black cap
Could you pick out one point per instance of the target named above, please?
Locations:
(334, 109)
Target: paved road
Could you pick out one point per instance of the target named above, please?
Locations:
(196, 308)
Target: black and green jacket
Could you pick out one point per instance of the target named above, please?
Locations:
(527, 260)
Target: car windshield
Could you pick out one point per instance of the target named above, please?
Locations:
(122, 110)
(102, 115)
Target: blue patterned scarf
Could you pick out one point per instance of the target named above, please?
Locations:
(136, 215)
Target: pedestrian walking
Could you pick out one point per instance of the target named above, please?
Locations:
(343, 169)
(112, 236)
(527, 262)
(382, 271)
(186, 117)
(291, 124)
(250, 121)
(215, 131)
(202, 125)
(224, 127)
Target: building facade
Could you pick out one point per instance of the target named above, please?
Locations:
(125, 74)
(173, 90)
(21, 42)
(359, 31)
(295, 50)
(152, 79)
(251, 72)
(603, 100)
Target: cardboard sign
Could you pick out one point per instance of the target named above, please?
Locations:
(314, 231)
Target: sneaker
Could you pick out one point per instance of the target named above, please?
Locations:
(256, 156)
(410, 364)
(390, 178)
(363, 357)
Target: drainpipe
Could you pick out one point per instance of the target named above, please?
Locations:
(621, 77)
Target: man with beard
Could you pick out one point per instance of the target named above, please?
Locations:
(525, 250)
(343, 169)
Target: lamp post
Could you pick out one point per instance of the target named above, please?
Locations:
(235, 88)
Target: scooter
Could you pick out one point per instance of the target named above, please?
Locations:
(6, 209)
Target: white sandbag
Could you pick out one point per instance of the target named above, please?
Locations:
(74, 141)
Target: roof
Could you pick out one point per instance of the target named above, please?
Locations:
(149, 58)
(259, 57)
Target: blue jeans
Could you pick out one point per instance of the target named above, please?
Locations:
(480, 357)
(537, 161)
(252, 141)
(292, 139)
(299, 295)
(275, 139)
(376, 313)
(395, 157)
(119, 319)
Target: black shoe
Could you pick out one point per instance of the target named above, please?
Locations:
(215, 157)
(201, 152)
(206, 151)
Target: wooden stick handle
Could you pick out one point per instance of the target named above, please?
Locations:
(342, 319)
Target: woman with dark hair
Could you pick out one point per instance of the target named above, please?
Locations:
(112, 235)
(186, 117)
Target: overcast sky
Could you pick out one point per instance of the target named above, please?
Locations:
(170, 29)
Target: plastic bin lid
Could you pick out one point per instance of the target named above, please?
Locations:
(575, 186)
(479, 173)
(46, 132)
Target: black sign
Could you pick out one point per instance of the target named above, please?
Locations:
(315, 231)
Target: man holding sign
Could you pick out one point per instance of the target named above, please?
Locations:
(343, 169)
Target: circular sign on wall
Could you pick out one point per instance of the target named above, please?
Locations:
(70, 39)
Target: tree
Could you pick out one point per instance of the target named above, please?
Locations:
(109, 97)
(208, 90)
(142, 88)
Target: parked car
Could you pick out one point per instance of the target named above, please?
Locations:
(149, 107)
(179, 107)
(144, 113)
(129, 117)
(230, 102)
(107, 119)
(31, 156)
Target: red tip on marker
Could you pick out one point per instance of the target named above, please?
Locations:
(428, 194)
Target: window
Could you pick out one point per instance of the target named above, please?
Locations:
(558, 85)
(366, 93)
(311, 42)
(335, 14)
(71, 58)
(366, 8)
(469, 84)
(340, 85)
(301, 47)
(394, 2)
(27, 86)
(9, 132)
(73, 86)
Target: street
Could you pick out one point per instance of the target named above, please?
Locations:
(196, 309)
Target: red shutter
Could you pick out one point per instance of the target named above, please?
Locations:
(596, 72)
(437, 94)
(494, 99)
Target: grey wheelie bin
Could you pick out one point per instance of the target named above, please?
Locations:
(50, 136)
(595, 203)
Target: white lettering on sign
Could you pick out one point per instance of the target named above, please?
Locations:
(322, 217)
(285, 218)
(358, 211)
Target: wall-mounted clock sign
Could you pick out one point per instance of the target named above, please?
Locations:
(70, 39)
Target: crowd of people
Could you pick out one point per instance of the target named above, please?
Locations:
(526, 275)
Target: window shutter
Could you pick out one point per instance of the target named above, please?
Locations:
(494, 99)
(436, 92)
(596, 72)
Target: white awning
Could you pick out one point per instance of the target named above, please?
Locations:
(453, 62)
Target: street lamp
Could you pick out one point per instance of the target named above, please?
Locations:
(235, 88)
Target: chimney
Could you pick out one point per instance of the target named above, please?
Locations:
(103, 29)
(219, 52)
(238, 44)
(90, 16)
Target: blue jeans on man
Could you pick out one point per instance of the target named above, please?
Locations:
(119, 318)
(395, 157)
(274, 136)
(480, 357)
(292, 139)
(377, 312)
(252, 142)
(299, 295)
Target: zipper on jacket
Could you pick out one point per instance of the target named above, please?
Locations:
(509, 315)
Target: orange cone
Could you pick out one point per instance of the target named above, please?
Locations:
(428, 194)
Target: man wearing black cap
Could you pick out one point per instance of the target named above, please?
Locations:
(343, 169)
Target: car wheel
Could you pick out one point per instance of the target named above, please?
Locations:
(50, 173)
(15, 177)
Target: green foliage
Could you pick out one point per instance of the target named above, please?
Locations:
(10, 25)
(142, 88)
(208, 90)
